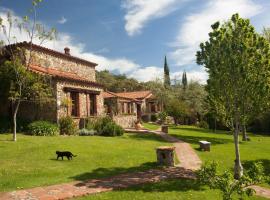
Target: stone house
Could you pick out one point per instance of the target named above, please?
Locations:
(73, 80)
(128, 107)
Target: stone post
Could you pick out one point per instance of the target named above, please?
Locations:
(165, 155)
(164, 128)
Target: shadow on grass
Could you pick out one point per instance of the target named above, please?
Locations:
(107, 172)
(265, 163)
(196, 139)
(172, 183)
(168, 186)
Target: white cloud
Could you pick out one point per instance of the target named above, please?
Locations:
(196, 26)
(121, 65)
(200, 76)
(63, 20)
(139, 12)
(147, 74)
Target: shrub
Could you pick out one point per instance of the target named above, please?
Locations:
(67, 126)
(118, 130)
(203, 124)
(99, 123)
(112, 129)
(86, 132)
(43, 128)
(162, 117)
(105, 126)
(153, 118)
(225, 182)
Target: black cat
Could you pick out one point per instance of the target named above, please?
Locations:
(63, 154)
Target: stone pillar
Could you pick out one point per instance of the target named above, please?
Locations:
(165, 155)
(164, 128)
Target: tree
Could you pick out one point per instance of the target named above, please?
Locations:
(184, 80)
(167, 81)
(266, 33)
(23, 84)
(176, 109)
(237, 61)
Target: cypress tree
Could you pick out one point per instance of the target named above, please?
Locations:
(184, 80)
(167, 81)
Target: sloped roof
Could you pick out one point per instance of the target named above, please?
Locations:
(108, 94)
(136, 94)
(54, 53)
(62, 75)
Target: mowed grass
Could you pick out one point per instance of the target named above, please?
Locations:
(165, 190)
(222, 147)
(222, 151)
(31, 161)
(150, 126)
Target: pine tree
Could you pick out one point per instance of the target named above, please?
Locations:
(167, 81)
(184, 80)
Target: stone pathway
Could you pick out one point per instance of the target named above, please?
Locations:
(261, 191)
(93, 186)
(184, 152)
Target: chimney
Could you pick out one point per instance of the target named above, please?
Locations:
(67, 51)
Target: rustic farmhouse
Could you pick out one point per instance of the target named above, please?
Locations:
(76, 92)
(72, 79)
(128, 107)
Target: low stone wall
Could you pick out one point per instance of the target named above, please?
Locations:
(126, 121)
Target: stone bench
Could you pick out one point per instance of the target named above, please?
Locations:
(205, 145)
(165, 155)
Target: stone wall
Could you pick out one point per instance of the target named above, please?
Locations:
(45, 60)
(126, 121)
(61, 95)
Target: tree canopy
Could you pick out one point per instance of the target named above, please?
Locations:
(237, 61)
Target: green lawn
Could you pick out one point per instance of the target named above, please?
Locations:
(31, 161)
(222, 146)
(151, 126)
(222, 151)
(165, 190)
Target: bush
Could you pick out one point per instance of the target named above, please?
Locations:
(105, 126)
(112, 129)
(67, 126)
(225, 182)
(153, 118)
(86, 132)
(43, 128)
(162, 117)
(203, 124)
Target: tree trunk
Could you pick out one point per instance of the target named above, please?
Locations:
(238, 168)
(17, 104)
(215, 128)
(244, 133)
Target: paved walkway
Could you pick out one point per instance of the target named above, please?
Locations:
(184, 152)
(82, 188)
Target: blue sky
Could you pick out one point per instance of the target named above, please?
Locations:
(132, 36)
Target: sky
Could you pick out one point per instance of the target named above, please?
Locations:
(132, 36)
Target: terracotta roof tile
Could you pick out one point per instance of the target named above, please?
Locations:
(109, 94)
(136, 94)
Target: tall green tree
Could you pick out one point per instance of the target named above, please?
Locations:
(237, 61)
(184, 80)
(167, 80)
(23, 84)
